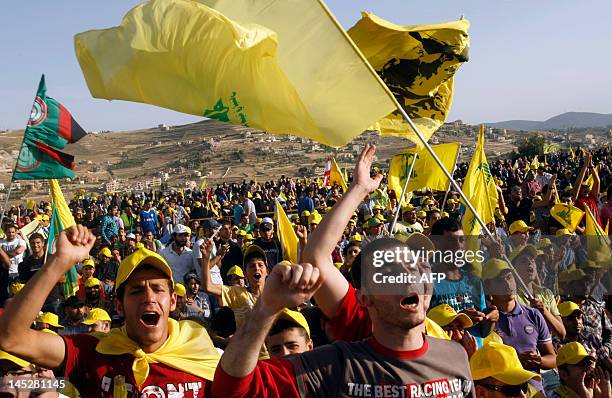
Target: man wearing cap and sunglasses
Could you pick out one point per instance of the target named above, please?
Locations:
(151, 355)
(497, 373)
(268, 242)
(177, 254)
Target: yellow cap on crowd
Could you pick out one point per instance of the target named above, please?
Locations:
(493, 267)
(235, 270)
(519, 226)
(500, 362)
(96, 314)
(295, 317)
(105, 251)
(571, 354)
(567, 308)
(444, 314)
(138, 258)
(50, 319)
(91, 282)
(89, 262)
(180, 290)
(564, 231)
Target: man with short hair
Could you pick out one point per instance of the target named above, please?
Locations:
(93, 295)
(232, 252)
(109, 230)
(534, 343)
(177, 254)
(269, 243)
(151, 354)
(149, 219)
(519, 208)
(75, 312)
(249, 208)
(15, 248)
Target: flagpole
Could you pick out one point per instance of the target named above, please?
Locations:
(449, 184)
(461, 193)
(401, 199)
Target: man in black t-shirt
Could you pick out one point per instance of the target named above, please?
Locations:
(233, 254)
(269, 243)
(31, 264)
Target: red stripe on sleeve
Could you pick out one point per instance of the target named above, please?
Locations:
(65, 125)
(272, 378)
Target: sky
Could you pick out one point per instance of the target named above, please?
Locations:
(528, 59)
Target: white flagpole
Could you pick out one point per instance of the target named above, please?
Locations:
(401, 199)
(463, 196)
(449, 183)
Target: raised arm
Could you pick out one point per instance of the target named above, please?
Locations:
(207, 284)
(287, 286)
(580, 177)
(323, 240)
(42, 349)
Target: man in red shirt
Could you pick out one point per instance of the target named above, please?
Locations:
(583, 195)
(150, 356)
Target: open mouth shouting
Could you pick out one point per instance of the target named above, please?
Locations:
(257, 276)
(150, 318)
(410, 303)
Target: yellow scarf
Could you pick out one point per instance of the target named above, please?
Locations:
(188, 348)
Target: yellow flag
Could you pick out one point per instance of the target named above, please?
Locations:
(598, 242)
(535, 163)
(57, 197)
(515, 166)
(571, 153)
(426, 172)
(417, 63)
(286, 234)
(30, 204)
(336, 176)
(567, 215)
(589, 181)
(284, 66)
(479, 188)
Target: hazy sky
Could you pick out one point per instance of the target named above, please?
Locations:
(529, 59)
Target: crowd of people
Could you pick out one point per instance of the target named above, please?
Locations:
(188, 293)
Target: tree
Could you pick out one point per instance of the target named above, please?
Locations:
(531, 146)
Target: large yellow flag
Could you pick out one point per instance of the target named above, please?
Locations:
(336, 176)
(535, 163)
(286, 234)
(589, 181)
(598, 242)
(426, 172)
(479, 188)
(567, 215)
(417, 63)
(284, 66)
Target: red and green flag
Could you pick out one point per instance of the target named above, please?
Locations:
(50, 128)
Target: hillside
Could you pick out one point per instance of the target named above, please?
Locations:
(564, 121)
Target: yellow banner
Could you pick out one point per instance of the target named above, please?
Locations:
(286, 234)
(418, 64)
(426, 172)
(567, 215)
(246, 62)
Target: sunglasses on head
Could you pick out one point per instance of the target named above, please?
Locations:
(508, 390)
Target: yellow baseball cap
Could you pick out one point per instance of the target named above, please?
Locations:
(91, 282)
(5, 356)
(500, 362)
(315, 218)
(444, 214)
(493, 267)
(49, 331)
(96, 314)
(235, 270)
(356, 238)
(571, 275)
(249, 237)
(567, 308)
(180, 290)
(295, 317)
(89, 262)
(444, 314)
(421, 214)
(138, 258)
(50, 319)
(105, 251)
(408, 207)
(571, 354)
(242, 232)
(519, 226)
(563, 231)
(305, 213)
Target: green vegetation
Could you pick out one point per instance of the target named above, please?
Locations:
(126, 164)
